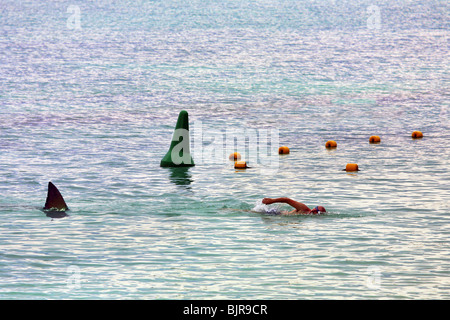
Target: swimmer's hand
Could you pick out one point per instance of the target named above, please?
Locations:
(267, 201)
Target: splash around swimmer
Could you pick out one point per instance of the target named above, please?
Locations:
(299, 208)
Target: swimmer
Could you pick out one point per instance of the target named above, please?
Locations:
(300, 208)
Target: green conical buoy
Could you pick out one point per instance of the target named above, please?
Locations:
(179, 154)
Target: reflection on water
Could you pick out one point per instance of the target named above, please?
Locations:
(181, 176)
(56, 214)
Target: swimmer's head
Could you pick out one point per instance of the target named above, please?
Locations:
(318, 209)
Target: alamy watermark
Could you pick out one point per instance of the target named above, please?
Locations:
(374, 19)
(373, 280)
(74, 278)
(443, 116)
(74, 20)
(258, 147)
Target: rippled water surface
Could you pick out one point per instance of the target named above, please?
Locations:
(89, 97)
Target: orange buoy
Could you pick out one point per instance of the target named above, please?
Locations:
(331, 144)
(374, 139)
(351, 167)
(240, 165)
(417, 135)
(283, 150)
(235, 156)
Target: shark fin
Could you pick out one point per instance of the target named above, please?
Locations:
(55, 201)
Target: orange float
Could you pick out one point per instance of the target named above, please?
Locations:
(235, 156)
(417, 135)
(331, 144)
(351, 167)
(283, 150)
(240, 165)
(374, 139)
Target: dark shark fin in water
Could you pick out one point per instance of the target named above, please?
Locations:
(55, 201)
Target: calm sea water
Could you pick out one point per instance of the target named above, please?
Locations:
(89, 96)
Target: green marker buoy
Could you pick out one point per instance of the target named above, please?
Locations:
(179, 154)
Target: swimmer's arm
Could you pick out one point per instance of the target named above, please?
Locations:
(300, 207)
